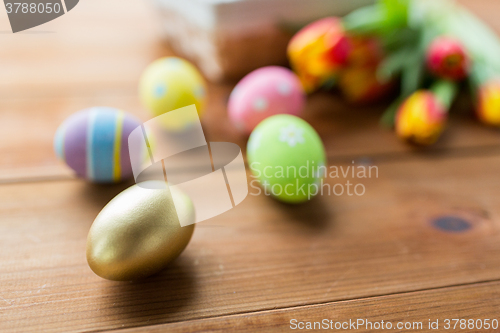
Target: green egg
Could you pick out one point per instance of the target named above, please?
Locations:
(287, 157)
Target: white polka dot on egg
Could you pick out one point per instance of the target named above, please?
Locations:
(265, 92)
(284, 88)
(260, 104)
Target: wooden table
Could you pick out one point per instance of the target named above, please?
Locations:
(380, 256)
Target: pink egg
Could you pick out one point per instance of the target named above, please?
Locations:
(265, 92)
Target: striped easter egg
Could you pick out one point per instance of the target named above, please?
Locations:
(94, 143)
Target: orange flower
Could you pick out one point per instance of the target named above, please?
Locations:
(421, 118)
(488, 106)
(360, 84)
(365, 51)
(318, 51)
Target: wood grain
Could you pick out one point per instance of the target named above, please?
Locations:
(415, 309)
(28, 127)
(89, 58)
(101, 46)
(261, 255)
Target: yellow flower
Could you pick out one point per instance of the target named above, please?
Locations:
(488, 107)
(421, 118)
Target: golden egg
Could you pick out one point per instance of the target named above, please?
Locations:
(138, 233)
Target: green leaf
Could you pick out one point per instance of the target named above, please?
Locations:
(382, 18)
(365, 20)
(412, 74)
(445, 91)
(389, 116)
(399, 38)
(394, 63)
(396, 12)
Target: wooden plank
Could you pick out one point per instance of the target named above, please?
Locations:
(99, 46)
(26, 141)
(261, 255)
(95, 54)
(475, 302)
(28, 127)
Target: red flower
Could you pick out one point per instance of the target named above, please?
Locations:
(447, 58)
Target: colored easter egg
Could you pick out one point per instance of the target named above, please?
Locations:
(265, 92)
(171, 83)
(287, 157)
(138, 233)
(94, 143)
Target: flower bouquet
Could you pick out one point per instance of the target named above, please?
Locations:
(431, 48)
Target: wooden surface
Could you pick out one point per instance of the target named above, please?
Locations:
(380, 256)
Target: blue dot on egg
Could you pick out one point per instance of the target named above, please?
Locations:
(451, 224)
(284, 88)
(173, 61)
(160, 90)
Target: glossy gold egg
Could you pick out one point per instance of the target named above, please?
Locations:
(138, 233)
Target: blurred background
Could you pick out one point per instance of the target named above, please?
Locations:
(95, 55)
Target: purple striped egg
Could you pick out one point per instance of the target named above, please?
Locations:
(94, 143)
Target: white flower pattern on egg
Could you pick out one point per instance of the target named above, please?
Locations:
(291, 135)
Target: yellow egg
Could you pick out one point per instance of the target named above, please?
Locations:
(138, 233)
(171, 83)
